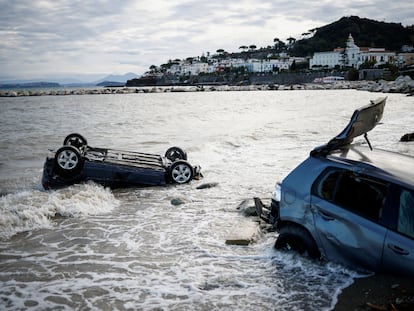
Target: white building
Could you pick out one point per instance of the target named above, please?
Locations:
(327, 59)
(405, 59)
(188, 68)
(265, 65)
(351, 56)
(377, 55)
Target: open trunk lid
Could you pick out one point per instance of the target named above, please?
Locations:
(362, 121)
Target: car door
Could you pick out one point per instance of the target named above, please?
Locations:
(346, 210)
(399, 242)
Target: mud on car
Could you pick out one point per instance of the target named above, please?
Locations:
(349, 203)
(77, 162)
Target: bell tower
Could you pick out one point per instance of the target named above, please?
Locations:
(351, 52)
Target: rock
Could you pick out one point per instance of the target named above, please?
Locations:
(407, 137)
(237, 241)
(207, 185)
(247, 208)
(177, 201)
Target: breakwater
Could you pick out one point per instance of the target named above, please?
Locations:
(403, 84)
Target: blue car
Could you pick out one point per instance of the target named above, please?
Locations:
(349, 203)
(76, 162)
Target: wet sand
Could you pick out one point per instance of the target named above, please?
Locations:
(378, 292)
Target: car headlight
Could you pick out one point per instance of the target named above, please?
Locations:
(277, 193)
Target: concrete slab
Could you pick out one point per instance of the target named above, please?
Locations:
(245, 232)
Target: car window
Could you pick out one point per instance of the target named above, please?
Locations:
(406, 213)
(327, 185)
(361, 194)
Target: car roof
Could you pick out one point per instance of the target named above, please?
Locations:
(362, 121)
(392, 165)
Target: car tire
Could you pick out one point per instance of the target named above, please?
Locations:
(175, 153)
(68, 161)
(181, 172)
(76, 140)
(294, 237)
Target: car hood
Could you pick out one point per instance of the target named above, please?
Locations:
(362, 121)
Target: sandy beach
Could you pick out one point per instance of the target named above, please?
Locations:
(378, 292)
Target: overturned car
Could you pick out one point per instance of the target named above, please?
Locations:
(76, 162)
(349, 203)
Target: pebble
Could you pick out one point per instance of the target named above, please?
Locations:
(177, 201)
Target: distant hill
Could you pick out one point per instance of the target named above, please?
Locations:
(111, 83)
(30, 85)
(366, 33)
(117, 78)
(66, 82)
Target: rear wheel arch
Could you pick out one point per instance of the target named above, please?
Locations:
(293, 236)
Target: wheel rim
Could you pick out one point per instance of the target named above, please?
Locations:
(68, 159)
(74, 141)
(181, 173)
(174, 154)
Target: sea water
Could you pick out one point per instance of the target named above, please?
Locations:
(86, 247)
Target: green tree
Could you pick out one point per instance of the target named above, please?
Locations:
(368, 64)
(353, 74)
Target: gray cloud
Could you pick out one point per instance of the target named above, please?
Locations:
(45, 37)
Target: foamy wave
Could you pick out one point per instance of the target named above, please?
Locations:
(31, 210)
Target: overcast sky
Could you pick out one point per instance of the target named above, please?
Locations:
(90, 39)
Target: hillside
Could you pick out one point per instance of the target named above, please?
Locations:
(366, 33)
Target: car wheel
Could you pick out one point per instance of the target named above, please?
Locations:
(68, 161)
(76, 140)
(181, 172)
(298, 239)
(175, 153)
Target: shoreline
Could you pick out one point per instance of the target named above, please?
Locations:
(376, 293)
(403, 85)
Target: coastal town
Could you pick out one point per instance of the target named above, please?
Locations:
(275, 66)
(349, 56)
